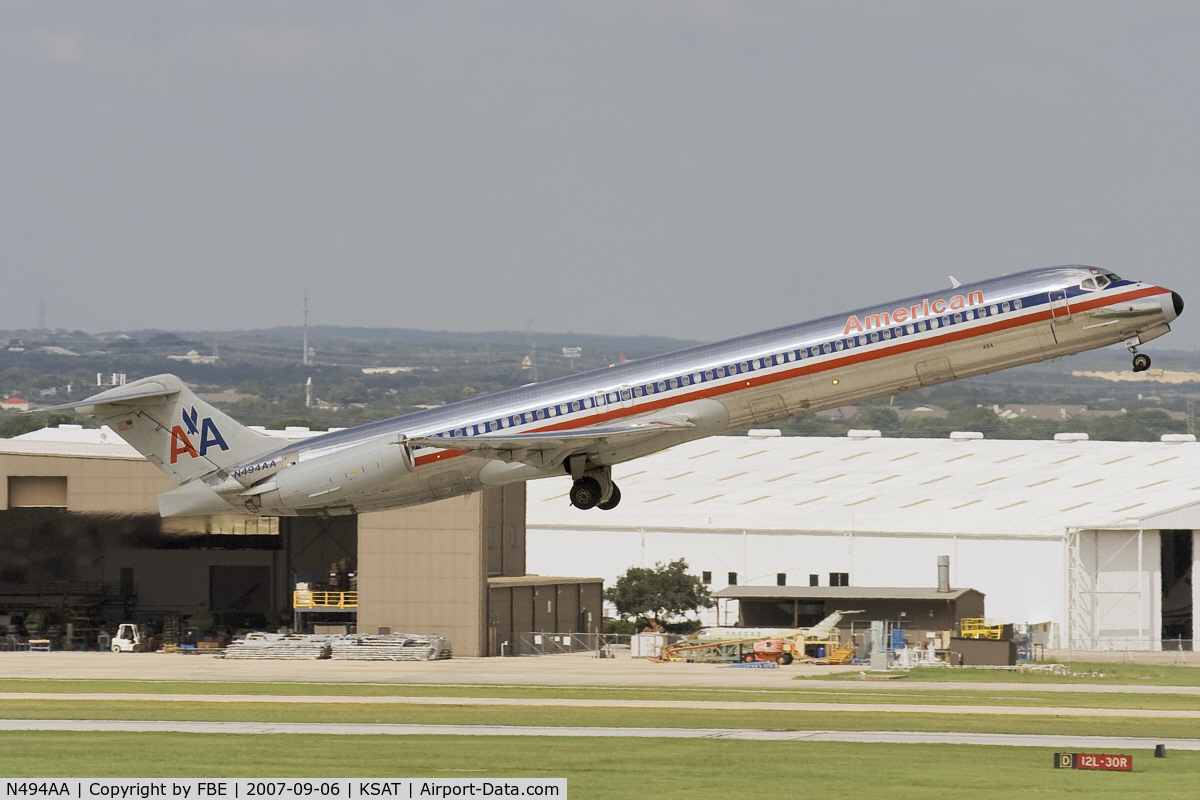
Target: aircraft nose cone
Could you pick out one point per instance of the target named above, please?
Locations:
(1178, 302)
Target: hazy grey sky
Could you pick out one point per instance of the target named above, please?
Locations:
(689, 169)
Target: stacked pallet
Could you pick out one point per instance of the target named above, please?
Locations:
(391, 647)
(295, 646)
(299, 646)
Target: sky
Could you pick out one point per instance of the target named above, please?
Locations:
(688, 169)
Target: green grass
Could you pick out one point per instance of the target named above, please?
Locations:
(1114, 674)
(665, 769)
(890, 692)
(467, 714)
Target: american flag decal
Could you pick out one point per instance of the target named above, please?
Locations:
(124, 424)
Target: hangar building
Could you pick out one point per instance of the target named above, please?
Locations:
(80, 532)
(1096, 538)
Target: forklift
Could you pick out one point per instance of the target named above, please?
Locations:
(131, 638)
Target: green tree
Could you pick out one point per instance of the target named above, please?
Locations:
(660, 593)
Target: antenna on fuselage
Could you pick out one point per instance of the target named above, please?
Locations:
(954, 282)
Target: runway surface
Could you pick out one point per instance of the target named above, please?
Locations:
(708, 705)
(344, 729)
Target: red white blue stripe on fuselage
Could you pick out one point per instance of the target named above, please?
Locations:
(751, 362)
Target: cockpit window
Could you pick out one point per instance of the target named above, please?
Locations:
(1101, 281)
(1088, 285)
(1112, 276)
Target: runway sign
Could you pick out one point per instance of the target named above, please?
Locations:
(1093, 761)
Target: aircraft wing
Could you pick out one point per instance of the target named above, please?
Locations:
(552, 446)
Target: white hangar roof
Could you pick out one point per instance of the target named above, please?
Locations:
(992, 488)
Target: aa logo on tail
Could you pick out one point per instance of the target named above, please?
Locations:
(204, 428)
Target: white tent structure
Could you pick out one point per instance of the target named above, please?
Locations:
(1098, 538)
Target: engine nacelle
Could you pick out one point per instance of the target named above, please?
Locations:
(332, 478)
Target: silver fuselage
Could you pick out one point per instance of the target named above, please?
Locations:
(753, 380)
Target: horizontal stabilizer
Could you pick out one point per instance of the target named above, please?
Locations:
(120, 394)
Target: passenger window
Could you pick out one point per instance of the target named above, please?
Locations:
(625, 394)
(1017, 303)
(887, 334)
(838, 345)
(1004, 307)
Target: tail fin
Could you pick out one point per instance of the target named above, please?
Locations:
(181, 434)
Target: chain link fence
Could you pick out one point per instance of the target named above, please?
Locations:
(544, 644)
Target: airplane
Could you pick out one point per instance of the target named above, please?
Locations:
(821, 631)
(583, 425)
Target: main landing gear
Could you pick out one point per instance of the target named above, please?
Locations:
(593, 488)
(1141, 361)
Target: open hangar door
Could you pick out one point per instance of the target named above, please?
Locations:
(1131, 589)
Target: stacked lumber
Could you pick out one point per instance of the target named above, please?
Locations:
(295, 646)
(353, 647)
(391, 647)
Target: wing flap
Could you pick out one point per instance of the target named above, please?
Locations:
(556, 441)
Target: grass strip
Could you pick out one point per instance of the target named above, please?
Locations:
(889, 693)
(467, 714)
(600, 769)
(1087, 672)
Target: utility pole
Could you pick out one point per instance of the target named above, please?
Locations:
(306, 328)
(532, 347)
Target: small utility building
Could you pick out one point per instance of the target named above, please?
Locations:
(805, 606)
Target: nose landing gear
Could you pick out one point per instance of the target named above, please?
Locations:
(1141, 361)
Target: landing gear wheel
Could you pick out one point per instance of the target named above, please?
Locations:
(585, 493)
(1141, 362)
(611, 502)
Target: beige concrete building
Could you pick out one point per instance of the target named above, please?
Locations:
(80, 535)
